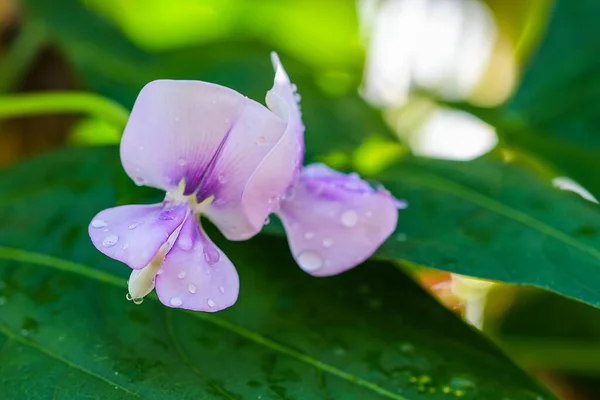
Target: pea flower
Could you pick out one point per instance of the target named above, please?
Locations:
(234, 161)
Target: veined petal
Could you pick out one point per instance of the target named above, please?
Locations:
(175, 130)
(270, 166)
(335, 221)
(196, 275)
(134, 234)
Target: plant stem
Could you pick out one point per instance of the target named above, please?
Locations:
(18, 105)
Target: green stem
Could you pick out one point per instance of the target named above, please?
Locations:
(18, 105)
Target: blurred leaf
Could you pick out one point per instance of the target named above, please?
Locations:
(491, 219)
(558, 104)
(67, 330)
(111, 65)
(322, 34)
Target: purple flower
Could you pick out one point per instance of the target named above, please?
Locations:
(219, 154)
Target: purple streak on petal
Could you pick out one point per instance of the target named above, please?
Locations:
(133, 234)
(196, 275)
(335, 221)
(259, 163)
(253, 136)
(175, 130)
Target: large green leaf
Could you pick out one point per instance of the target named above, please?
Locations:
(67, 332)
(109, 64)
(496, 220)
(558, 103)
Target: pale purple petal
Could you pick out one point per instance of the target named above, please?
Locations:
(335, 221)
(196, 275)
(175, 130)
(240, 215)
(134, 234)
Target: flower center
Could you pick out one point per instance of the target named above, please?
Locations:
(177, 197)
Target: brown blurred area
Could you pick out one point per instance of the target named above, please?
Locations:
(21, 137)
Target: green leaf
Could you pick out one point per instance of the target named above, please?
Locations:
(67, 332)
(558, 104)
(496, 220)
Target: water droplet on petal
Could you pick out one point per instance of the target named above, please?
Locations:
(139, 181)
(128, 297)
(166, 216)
(125, 246)
(222, 178)
(267, 221)
(175, 301)
(211, 255)
(105, 230)
(222, 289)
(110, 241)
(133, 226)
(349, 218)
(210, 302)
(182, 274)
(310, 261)
(192, 288)
(309, 235)
(327, 242)
(182, 162)
(138, 301)
(184, 242)
(99, 223)
(261, 140)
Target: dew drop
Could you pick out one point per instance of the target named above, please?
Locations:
(222, 289)
(267, 221)
(139, 180)
(138, 301)
(110, 241)
(261, 140)
(175, 301)
(327, 242)
(222, 178)
(99, 223)
(192, 288)
(184, 242)
(349, 218)
(210, 302)
(310, 261)
(125, 246)
(211, 255)
(182, 274)
(309, 235)
(166, 216)
(128, 297)
(133, 226)
(181, 162)
(105, 230)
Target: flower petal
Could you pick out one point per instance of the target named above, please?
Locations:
(134, 234)
(257, 174)
(196, 275)
(335, 221)
(175, 130)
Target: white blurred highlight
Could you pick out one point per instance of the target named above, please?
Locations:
(453, 135)
(439, 45)
(564, 183)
